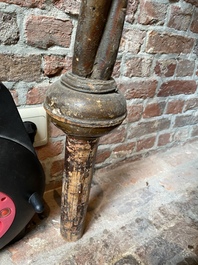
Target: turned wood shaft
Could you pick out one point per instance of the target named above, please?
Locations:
(91, 22)
(79, 164)
(109, 45)
(87, 105)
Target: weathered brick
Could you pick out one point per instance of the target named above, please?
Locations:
(132, 40)
(145, 143)
(57, 168)
(138, 66)
(195, 51)
(194, 24)
(56, 65)
(71, 6)
(27, 3)
(139, 89)
(185, 120)
(131, 9)
(116, 136)
(185, 68)
(54, 131)
(36, 95)
(134, 112)
(124, 149)
(164, 139)
(158, 247)
(191, 104)
(116, 69)
(102, 155)
(153, 109)
(175, 107)
(152, 12)
(192, 2)
(50, 150)
(9, 32)
(17, 68)
(194, 132)
(53, 184)
(44, 32)
(181, 134)
(148, 127)
(176, 87)
(180, 17)
(165, 68)
(129, 64)
(168, 43)
(14, 94)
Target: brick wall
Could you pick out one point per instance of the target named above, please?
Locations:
(156, 70)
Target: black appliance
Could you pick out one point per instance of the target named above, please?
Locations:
(22, 179)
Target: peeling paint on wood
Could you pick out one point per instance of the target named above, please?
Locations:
(79, 164)
(86, 107)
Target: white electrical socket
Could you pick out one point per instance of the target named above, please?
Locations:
(38, 116)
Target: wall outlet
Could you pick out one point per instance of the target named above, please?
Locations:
(38, 116)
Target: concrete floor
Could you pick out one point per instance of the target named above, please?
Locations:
(145, 212)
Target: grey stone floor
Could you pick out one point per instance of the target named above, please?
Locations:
(144, 212)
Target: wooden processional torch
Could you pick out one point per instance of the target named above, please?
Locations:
(86, 104)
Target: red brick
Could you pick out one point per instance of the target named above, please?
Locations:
(145, 143)
(134, 112)
(116, 136)
(148, 127)
(153, 110)
(14, 94)
(132, 40)
(131, 9)
(116, 69)
(57, 168)
(193, 2)
(138, 66)
(56, 65)
(195, 51)
(139, 89)
(165, 68)
(191, 104)
(53, 184)
(176, 87)
(36, 95)
(123, 150)
(180, 17)
(102, 155)
(175, 107)
(194, 24)
(69, 6)
(152, 12)
(168, 43)
(44, 32)
(9, 32)
(164, 139)
(26, 3)
(185, 68)
(20, 68)
(50, 150)
(185, 120)
(54, 131)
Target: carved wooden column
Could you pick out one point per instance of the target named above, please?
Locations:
(86, 104)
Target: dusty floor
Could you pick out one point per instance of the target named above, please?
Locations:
(145, 212)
